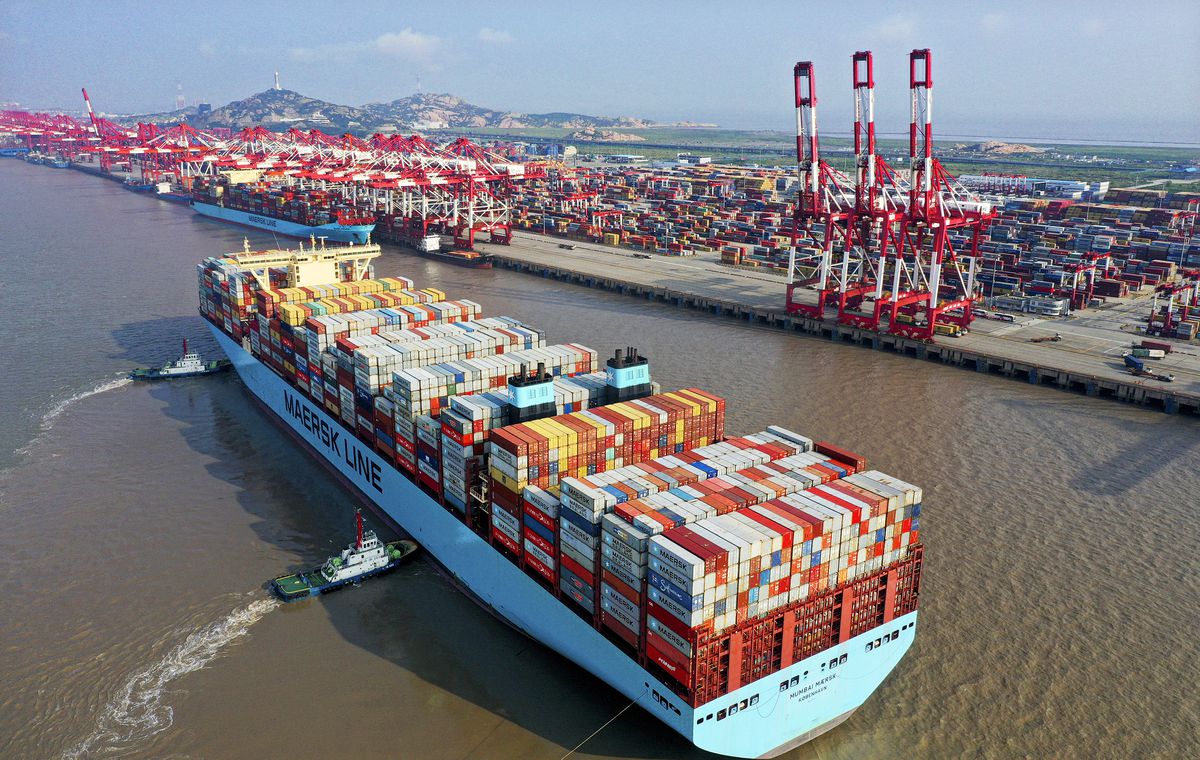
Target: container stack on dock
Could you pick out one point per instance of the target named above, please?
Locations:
(710, 560)
(1036, 243)
(1030, 255)
(740, 213)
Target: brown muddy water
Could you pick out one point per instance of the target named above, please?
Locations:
(1059, 611)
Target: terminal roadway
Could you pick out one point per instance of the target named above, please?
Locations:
(701, 275)
(1091, 342)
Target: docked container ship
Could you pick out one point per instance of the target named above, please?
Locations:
(751, 592)
(239, 198)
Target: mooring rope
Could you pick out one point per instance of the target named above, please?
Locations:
(606, 724)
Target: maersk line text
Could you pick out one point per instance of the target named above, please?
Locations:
(331, 438)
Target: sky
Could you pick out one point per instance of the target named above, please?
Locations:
(1064, 69)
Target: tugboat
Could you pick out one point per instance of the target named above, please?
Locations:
(188, 365)
(365, 557)
(139, 185)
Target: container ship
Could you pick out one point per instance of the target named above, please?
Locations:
(241, 198)
(749, 591)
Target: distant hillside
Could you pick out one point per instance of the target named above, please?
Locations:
(591, 134)
(276, 109)
(443, 110)
(996, 148)
(165, 118)
(283, 109)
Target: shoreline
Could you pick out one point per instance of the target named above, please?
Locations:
(1036, 364)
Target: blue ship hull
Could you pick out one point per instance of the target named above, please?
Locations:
(340, 233)
(762, 719)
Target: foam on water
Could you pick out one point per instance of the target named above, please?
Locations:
(62, 406)
(138, 709)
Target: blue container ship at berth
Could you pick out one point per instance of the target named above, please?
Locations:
(751, 592)
(240, 197)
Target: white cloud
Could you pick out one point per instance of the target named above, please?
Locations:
(897, 28)
(408, 44)
(412, 46)
(1093, 28)
(995, 23)
(495, 36)
(207, 48)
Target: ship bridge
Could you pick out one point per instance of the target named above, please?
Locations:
(316, 265)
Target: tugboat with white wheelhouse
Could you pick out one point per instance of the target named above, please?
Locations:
(188, 365)
(366, 557)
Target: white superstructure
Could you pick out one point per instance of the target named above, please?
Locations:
(361, 557)
(188, 364)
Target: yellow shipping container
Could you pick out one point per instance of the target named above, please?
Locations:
(291, 314)
(516, 486)
(693, 404)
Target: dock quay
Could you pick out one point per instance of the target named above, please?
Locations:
(1086, 360)
(95, 170)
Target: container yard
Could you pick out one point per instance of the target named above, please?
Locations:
(617, 523)
(1040, 254)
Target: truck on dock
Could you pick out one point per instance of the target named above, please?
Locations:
(1137, 368)
(1153, 345)
(1056, 337)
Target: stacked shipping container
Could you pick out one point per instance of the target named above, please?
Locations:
(697, 552)
(1032, 248)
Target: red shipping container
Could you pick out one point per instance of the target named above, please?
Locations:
(677, 670)
(621, 587)
(541, 543)
(541, 569)
(502, 538)
(653, 609)
(585, 574)
(614, 625)
(541, 517)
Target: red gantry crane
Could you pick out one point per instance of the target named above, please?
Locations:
(885, 244)
(824, 205)
(861, 219)
(409, 186)
(937, 204)
(1181, 300)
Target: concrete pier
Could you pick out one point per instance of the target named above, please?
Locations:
(1087, 360)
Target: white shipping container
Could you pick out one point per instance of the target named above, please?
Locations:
(579, 547)
(619, 601)
(568, 548)
(509, 522)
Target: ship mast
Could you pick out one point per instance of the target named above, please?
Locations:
(358, 524)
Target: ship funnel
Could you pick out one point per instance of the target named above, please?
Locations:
(530, 396)
(627, 376)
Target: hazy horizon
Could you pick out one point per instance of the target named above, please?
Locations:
(1063, 71)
